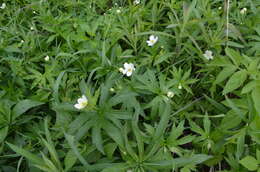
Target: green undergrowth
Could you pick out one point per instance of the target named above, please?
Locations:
(129, 86)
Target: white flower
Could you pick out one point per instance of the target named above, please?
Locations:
(243, 11)
(118, 11)
(34, 12)
(82, 102)
(3, 6)
(22, 41)
(47, 58)
(179, 86)
(208, 55)
(152, 40)
(112, 89)
(136, 2)
(121, 70)
(220, 8)
(128, 69)
(31, 28)
(170, 94)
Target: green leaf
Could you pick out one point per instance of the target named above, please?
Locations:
(23, 106)
(56, 87)
(110, 149)
(50, 145)
(206, 124)
(236, 80)
(31, 157)
(70, 160)
(162, 57)
(236, 109)
(97, 138)
(138, 135)
(116, 168)
(196, 128)
(185, 139)
(256, 98)
(234, 56)
(179, 162)
(114, 133)
(185, 169)
(248, 87)
(216, 104)
(240, 144)
(176, 132)
(258, 155)
(249, 162)
(3, 133)
(188, 10)
(71, 142)
(230, 120)
(165, 110)
(225, 73)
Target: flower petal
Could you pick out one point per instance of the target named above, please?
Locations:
(78, 106)
(156, 39)
(121, 70)
(149, 43)
(131, 65)
(84, 98)
(129, 73)
(152, 37)
(126, 65)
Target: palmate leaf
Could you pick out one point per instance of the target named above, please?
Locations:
(176, 132)
(164, 112)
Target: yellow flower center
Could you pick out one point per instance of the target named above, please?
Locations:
(85, 103)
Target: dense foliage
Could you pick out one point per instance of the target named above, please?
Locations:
(129, 85)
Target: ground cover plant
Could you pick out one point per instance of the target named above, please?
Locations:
(129, 85)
